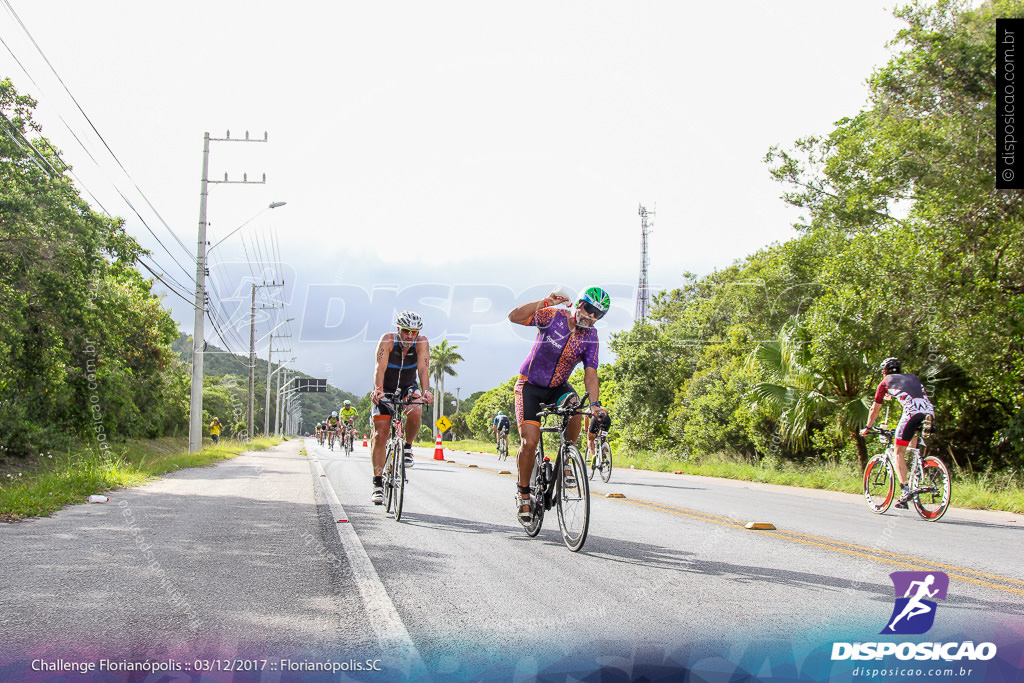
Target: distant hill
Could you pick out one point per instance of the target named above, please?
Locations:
(218, 362)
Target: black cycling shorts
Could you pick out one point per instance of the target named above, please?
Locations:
(530, 396)
(908, 427)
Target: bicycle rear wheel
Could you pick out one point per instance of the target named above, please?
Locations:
(932, 504)
(606, 461)
(573, 498)
(879, 484)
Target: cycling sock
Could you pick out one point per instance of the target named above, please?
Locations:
(378, 481)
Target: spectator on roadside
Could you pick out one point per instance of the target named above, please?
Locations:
(215, 430)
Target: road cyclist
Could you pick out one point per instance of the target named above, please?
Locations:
(348, 417)
(917, 409)
(500, 428)
(393, 474)
(565, 338)
(598, 451)
(333, 424)
(402, 357)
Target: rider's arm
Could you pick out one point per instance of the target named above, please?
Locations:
(423, 354)
(380, 364)
(876, 408)
(523, 315)
(593, 386)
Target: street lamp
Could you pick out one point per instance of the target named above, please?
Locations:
(195, 424)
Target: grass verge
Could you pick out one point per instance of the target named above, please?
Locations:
(985, 491)
(50, 481)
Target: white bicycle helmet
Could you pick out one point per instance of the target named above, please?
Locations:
(409, 320)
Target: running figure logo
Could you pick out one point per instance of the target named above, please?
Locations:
(914, 612)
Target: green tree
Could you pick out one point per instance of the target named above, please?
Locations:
(443, 358)
(800, 396)
(84, 343)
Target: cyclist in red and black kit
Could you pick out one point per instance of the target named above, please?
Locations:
(909, 391)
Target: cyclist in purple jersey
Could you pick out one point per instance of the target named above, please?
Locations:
(564, 340)
(909, 391)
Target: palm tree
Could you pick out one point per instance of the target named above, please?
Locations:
(797, 393)
(443, 358)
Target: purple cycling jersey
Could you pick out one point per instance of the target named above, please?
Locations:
(556, 351)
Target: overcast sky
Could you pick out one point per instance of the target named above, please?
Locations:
(456, 158)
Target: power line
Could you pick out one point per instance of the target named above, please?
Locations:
(100, 136)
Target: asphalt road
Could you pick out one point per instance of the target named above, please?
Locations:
(261, 557)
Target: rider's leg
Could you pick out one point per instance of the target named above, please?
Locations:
(378, 441)
(901, 464)
(413, 420)
(572, 432)
(529, 437)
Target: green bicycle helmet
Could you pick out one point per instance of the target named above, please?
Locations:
(595, 302)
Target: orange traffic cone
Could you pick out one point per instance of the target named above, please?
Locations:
(364, 441)
(438, 449)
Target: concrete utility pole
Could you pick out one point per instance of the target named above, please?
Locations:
(195, 422)
(252, 355)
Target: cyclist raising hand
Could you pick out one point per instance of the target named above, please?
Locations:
(564, 340)
(909, 391)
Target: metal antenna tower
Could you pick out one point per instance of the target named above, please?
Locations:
(643, 292)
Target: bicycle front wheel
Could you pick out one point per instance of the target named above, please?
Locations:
(399, 480)
(573, 498)
(934, 502)
(879, 484)
(606, 461)
(389, 477)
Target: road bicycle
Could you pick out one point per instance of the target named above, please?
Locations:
(332, 436)
(928, 478)
(502, 445)
(394, 453)
(563, 483)
(347, 442)
(603, 456)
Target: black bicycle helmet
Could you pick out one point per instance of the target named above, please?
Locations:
(891, 365)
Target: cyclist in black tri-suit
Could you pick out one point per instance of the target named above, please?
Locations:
(909, 391)
(401, 357)
(501, 424)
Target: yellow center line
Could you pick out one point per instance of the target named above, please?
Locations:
(895, 559)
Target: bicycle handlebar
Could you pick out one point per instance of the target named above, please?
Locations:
(396, 399)
(551, 409)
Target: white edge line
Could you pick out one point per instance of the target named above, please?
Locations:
(387, 623)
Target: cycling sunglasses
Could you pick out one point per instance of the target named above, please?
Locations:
(592, 310)
(412, 332)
